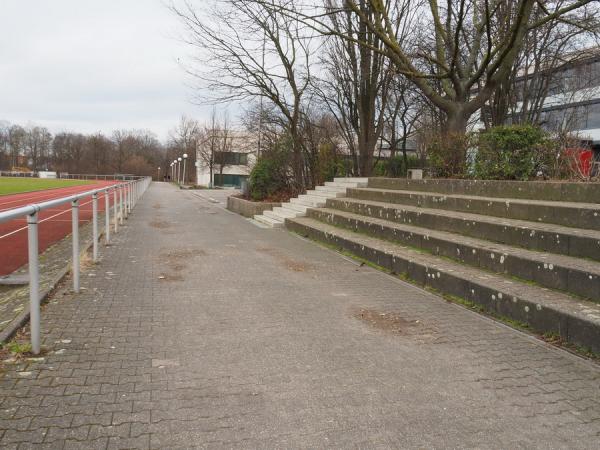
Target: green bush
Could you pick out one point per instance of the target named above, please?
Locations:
(447, 155)
(270, 175)
(513, 152)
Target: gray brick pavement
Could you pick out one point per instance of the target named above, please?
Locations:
(199, 329)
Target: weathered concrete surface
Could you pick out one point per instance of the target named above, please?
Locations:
(247, 208)
(201, 330)
(531, 235)
(573, 275)
(535, 190)
(580, 215)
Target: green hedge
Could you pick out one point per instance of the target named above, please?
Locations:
(513, 152)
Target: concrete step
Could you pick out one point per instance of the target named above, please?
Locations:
(535, 190)
(520, 233)
(574, 275)
(344, 184)
(326, 194)
(288, 212)
(544, 310)
(362, 180)
(275, 215)
(577, 215)
(332, 190)
(268, 221)
(295, 207)
(310, 201)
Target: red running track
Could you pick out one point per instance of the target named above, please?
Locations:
(54, 223)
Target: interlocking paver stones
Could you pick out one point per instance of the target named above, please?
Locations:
(200, 329)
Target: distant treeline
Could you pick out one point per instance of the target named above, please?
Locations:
(34, 148)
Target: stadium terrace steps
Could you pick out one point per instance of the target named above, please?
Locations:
(520, 233)
(570, 214)
(539, 264)
(297, 207)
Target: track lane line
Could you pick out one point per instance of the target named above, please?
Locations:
(43, 220)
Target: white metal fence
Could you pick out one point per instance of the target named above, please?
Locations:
(125, 196)
(86, 176)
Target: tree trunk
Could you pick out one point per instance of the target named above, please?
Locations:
(456, 122)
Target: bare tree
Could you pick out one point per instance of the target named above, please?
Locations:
(37, 146)
(16, 143)
(463, 49)
(183, 140)
(246, 51)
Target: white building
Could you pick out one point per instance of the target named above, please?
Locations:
(230, 167)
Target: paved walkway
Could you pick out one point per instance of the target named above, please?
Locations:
(200, 329)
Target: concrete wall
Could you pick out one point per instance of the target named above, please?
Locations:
(247, 208)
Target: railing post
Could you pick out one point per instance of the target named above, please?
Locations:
(107, 216)
(116, 213)
(129, 197)
(95, 226)
(75, 233)
(34, 282)
(121, 205)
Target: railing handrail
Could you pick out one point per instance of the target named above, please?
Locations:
(32, 208)
(125, 196)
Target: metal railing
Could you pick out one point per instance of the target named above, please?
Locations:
(125, 197)
(87, 176)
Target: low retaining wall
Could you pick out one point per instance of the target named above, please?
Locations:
(247, 208)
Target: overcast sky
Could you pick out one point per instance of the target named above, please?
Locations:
(92, 65)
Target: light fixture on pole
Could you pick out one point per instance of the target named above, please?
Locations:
(185, 155)
(174, 169)
(179, 170)
(158, 174)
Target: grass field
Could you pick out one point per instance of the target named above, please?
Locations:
(9, 185)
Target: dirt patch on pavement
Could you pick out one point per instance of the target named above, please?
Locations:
(157, 206)
(170, 277)
(160, 224)
(389, 322)
(289, 263)
(176, 261)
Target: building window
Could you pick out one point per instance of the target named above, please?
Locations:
(231, 158)
(229, 180)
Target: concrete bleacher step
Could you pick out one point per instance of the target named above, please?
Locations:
(326, 193)
(295, 207)
(535, 190)
(268, 221)
(531, 235)
(278, 215)
(288, 212)
(546, 310)
(570, 214)
(309, 201)
(574, 275)
(312, 199)
(337, 189)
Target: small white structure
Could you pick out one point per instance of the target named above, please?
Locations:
(46, 174)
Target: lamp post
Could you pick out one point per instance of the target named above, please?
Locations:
(179, 170)
(175, 169)
(171, 173)
(185, 155)
(158, 174)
